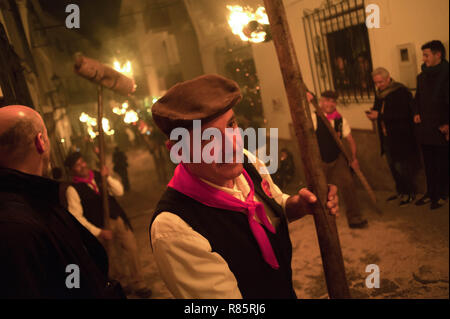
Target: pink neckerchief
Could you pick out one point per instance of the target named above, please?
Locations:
(333, 116)
(90, 180)
(188, 184)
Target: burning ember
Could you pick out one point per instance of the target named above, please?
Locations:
(124, 69)
(122, 110)
(91, 122)
(248, 25)
(131, 117)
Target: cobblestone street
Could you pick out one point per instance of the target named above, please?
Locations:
(410, 245)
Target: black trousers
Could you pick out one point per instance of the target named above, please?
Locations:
(123, 173)
(403, 171)
(435, 159)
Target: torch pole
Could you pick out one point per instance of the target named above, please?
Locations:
(333, 263)
(101, 147)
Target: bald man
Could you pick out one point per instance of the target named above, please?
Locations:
(44, 251)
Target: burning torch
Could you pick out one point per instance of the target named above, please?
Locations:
(103, 76)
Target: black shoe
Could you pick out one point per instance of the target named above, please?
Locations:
(393, 197)
(406, 199)
(423, 201)
(436, 204)
(363, 224)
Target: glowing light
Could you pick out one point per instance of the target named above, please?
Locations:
(63, 140)
(105, 124)
(111, 132)
(91, 122)
(131, 117)
(122, 110)
(247, 24)
(91, 132)
(84, 117)
(125, 69)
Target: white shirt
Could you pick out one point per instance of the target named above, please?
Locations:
(115, 188)
(184, 257)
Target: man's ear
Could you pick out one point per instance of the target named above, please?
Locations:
(39, 142)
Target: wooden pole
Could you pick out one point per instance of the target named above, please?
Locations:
(101, 147)
(333, 263)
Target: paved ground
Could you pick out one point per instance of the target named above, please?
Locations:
(410, 245)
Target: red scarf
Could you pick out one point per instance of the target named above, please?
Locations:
(333, 116)
(190, 185)
(90, 180)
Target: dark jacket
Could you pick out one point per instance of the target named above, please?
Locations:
(432, 103)
(398, 121)
(329, 149)
(93, 204)
(39, 239)
(120, 161)
(231, 237)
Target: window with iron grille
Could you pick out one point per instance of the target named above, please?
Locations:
(339, 50)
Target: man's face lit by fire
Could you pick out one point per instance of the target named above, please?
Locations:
(328, 105)
(219, 173)
(80, 168)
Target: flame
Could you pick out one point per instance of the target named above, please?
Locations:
(122, 110)
(91, 132)
(240, 18)
(84, 117)
(91, 122)
(124, 69)
(131, 117)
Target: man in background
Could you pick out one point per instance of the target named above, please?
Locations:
(393, 112)
(336, 167)
(120, 161)
(431, 105)
(85, 203)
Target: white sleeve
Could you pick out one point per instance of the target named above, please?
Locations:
(345, 128)
(76, 209)
(277, 194)
(314, 119)
(115, 187)
(187, 264)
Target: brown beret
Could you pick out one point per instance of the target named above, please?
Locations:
(203, 98)
(330, 95)
(71, 159)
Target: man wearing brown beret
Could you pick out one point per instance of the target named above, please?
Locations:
(221, 229)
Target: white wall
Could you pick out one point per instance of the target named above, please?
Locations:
(407, 21)
(402, 21)
(273, 95)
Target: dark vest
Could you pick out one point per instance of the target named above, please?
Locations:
(230, 236)
(92, 203)
(329, 151)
